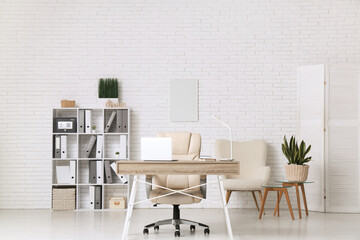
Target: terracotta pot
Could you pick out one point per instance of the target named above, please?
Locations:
(296, 173)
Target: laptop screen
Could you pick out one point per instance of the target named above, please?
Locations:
(156, 149)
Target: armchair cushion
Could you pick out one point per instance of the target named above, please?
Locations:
(262, 178)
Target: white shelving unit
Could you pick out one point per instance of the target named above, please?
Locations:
(76, 144)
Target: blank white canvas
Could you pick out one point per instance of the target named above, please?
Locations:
(184, 100)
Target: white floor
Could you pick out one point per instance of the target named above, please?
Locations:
(44, 224)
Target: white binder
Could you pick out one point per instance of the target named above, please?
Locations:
(63, 141)
(92, 197)
(122, 146)
(99, 146)
(122, 178)
(99, 172)
(72, 172)
(87, 121)
(81, 121)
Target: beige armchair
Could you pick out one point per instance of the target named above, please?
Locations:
(185, 146)
(253, 172)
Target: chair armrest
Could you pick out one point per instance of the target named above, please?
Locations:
(148, 187)
(263, 173)
(203, 180)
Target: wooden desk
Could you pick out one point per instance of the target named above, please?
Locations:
(176, 168)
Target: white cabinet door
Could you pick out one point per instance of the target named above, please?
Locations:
(342, 139)
(311, 130)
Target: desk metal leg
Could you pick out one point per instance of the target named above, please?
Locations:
(227, 219)
(130, 208)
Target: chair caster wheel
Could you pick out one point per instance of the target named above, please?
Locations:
(146, 231)
(177, 233)
(156, 228)
(206, 231)
(192, 227)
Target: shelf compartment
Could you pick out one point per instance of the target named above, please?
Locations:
(84, 197)
(83, 144)
(115, 143)
(71, 146)
(114, 191)
(63, 163)
(84, 172)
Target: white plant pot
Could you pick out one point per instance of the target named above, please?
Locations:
(296, 173)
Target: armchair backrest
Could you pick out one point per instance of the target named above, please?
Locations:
(185, 146)
(250, 154)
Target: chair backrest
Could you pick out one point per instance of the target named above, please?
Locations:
(250, 154)
(185, 146)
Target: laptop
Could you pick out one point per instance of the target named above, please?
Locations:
(156, 149)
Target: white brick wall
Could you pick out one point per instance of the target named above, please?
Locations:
(244, 53)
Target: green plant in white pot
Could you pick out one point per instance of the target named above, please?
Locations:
(296, 170)
(108, 90)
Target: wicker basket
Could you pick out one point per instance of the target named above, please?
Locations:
(63, 198)
(67, 103)
(296, 173)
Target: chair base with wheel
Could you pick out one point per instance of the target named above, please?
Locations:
(176, 221)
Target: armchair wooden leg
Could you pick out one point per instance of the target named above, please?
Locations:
(263, 203)
(256, 203)
(228, 194)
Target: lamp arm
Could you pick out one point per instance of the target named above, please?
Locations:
(227, 126)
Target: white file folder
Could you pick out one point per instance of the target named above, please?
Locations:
(87, 121)
(99, 146)
(92, 197)
(122, 178)
(99, 172)
(122, 146)
(64, 153)
(63, 174)
(72, 172)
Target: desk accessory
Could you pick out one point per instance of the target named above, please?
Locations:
(65, 125)
(67, 103)
(231, 144)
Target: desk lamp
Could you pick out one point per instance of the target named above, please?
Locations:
(227, 126)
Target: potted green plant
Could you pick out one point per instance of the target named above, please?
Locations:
(108, 89)
(117, 155)
(296, 170)
(93, 128)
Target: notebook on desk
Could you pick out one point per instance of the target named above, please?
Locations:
(156, 149)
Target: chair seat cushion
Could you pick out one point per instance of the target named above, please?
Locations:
(243, 184)
(177, 198)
